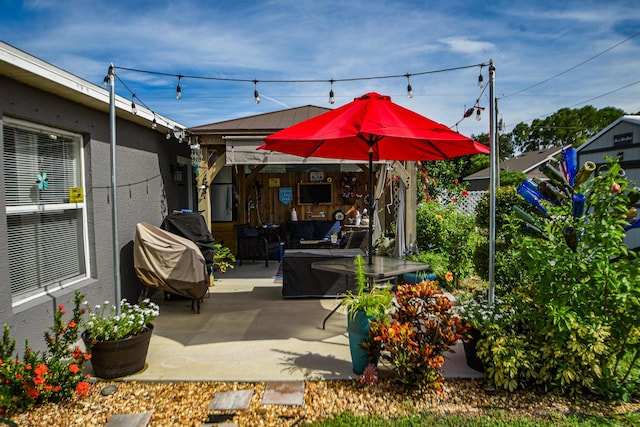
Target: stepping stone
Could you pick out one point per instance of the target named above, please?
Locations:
(231, 400)
(284, 393)
(129, 420)
(219, 425)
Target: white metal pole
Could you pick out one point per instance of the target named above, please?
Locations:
(114, 188)
(492, 183)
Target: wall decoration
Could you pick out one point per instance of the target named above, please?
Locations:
(274, 182)
(76, 195)
(285, 195)
(42, 181)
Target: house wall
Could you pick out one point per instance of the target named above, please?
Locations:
(145, 193)
(602, 147)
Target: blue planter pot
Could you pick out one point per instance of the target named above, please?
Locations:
(358, 328)
(413, 278)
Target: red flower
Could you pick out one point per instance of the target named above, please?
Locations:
(77, 353)
(455, 181)
(465, 193)
(33, 393)
(41, 369)
(38, 380)
(453, 199)
(74, 368)
(82, 388)
(56, 389)
(61, 307)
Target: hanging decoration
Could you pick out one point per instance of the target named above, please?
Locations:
(42, 181)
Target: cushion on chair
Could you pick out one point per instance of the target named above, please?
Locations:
(302, 230)
(249, 232)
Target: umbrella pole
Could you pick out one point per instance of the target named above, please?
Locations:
(370, 207)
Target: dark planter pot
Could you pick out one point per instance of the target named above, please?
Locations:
(358, 328)
(470, 350)
(114, 359)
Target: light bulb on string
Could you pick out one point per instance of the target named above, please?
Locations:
(409, 88)
(332, 98)
(134, 110)
(105, 82)
(168, 135)
(480, 79)
(154, 123)
(256, 95)
(179, 89)
(478, 115)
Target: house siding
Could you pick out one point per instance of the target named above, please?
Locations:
(145, 193)
(602, 146)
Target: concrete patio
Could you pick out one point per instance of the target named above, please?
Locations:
(247, 332)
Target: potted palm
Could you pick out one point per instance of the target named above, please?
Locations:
(118, 342)
(365, 305)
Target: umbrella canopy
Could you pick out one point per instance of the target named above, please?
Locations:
(372, 128)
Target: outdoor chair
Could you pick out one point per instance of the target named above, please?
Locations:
(254, 244)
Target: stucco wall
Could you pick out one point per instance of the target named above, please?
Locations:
(145, 193)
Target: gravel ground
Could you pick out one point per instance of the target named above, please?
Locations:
(185, 403)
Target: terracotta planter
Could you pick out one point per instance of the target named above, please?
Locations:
(470, 350)
(114, 359)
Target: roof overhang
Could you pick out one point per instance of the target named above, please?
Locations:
(34, 72)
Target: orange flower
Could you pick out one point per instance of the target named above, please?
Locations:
(82, 388)
(449, 276)
(72, 323)
(615, 188)
(41, 369)
(74, 368)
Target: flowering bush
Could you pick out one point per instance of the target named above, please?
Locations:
(474, 307)
(422, 327)
(52, 375)
(104, 324)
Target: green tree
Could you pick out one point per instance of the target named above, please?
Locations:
(564, 127)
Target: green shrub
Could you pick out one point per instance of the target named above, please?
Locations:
(579, 314)
(52, 375)
(443, 229)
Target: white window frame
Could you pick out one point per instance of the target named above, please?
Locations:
(43, 285)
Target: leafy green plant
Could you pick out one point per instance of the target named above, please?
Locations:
(223, 258)
(443, 229)
(578, 317)
(48, 376)
(422, 328)
(374, 302)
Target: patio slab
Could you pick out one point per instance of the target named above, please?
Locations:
(247, 332)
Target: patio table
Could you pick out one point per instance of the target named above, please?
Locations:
(380, 270)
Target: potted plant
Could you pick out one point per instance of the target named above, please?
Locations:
(118, 343)
(223, 258)
(474, 307)
(436, 260)
(365, 305)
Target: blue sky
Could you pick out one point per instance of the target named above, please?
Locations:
(548, 54)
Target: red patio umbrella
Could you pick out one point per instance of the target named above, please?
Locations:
(372, 128)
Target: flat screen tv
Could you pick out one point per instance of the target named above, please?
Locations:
(315, 193)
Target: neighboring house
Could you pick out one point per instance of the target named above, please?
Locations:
(621, 139)
(57, 234)
(527, 162)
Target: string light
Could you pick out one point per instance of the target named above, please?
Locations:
(256, 95)
(179, 89)
(332, 98)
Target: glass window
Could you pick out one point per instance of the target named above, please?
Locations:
(46, 226)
